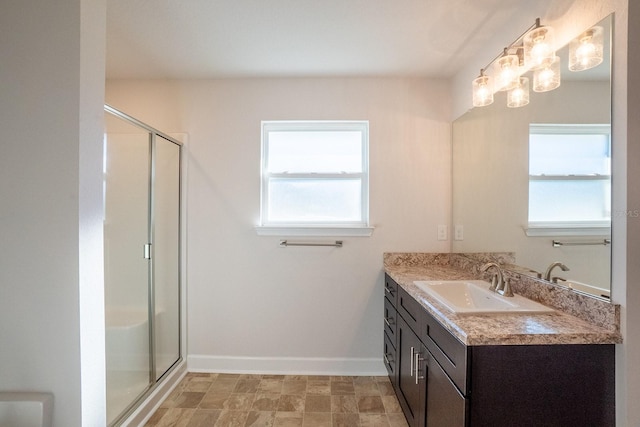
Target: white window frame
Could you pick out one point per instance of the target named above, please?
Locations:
(329, 228)
(565, 228)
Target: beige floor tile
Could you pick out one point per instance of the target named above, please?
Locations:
(247, 385)
(374, 420)
(270, 385)
(317, 403)
(239, 401)
(261, 418)
(288, 419)
(213, 400)
(176, 417)
(223, 384)
(189, 399)
(319, 387)
(345, 420)
(391, 404)
(316, 419)
(369, 388)
(232, 418)
(370, 404)
(294, 387)
(346, 404)
(342, 387)
(266, 402)
(204, 418)
(291, 403)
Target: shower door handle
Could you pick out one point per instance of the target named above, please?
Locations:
(147, 251)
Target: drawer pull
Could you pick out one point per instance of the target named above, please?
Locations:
(388, 290)
(413, 350)
(386, 359)
(388, 321)
(418, 360)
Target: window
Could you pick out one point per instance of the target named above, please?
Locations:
(315, 177)
(570, 178)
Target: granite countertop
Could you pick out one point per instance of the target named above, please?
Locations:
(499, 329)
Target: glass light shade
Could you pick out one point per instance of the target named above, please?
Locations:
(548, 77)
(482, 91)
(519, 95)
(586, 51)
(506, 72)
(539, 47)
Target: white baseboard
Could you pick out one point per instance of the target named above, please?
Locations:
(287, 365)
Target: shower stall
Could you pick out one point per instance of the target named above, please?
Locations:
(142, 224)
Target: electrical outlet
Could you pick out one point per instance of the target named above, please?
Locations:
(459, 232)
(442, 232)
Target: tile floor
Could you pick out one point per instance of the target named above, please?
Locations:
(279, 400)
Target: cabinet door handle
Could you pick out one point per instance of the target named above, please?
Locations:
(386, 320)
(417, 363)
(411, 358)
(386, 359)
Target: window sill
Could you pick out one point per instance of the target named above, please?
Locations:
(314, 231)
(590, 229)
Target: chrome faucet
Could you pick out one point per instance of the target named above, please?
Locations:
(498, 283)
(547, 274)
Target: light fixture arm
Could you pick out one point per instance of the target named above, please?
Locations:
(516, 44)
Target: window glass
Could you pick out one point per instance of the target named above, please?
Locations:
(315, 174)
(569, 175)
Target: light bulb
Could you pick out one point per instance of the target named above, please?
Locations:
(519, 95)
(538, 47)
(548, 77)
(586, 51)
(506, 70)
(482, 91)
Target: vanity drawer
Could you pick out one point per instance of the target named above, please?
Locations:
(390, 289)
(411, 311)
(390, 321)
(450, 353)
(390, 358)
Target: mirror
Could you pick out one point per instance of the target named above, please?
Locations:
(492, 185)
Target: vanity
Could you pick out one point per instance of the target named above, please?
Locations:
(500, 369)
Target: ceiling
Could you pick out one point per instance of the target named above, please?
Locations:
(192, 39)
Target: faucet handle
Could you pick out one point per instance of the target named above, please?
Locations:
(505, 290)
(494, 282)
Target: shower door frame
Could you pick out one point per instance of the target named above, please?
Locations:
(154, 382)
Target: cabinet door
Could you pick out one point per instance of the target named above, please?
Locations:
(411, 390)
(446, 407)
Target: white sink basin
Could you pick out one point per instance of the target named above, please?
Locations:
(474, 297)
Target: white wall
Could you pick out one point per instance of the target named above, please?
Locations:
(253, 306)
(50, 215)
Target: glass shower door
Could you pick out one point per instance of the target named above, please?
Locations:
(126, 232)
(166, 256)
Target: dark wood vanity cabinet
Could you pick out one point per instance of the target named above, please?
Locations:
(390, 328)
(441, 382)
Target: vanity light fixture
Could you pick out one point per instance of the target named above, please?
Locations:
(533, 50)
(547, 77)
(519, 95)
(482, 90)
(586, 50)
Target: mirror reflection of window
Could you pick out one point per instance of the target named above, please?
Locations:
(569, 176)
